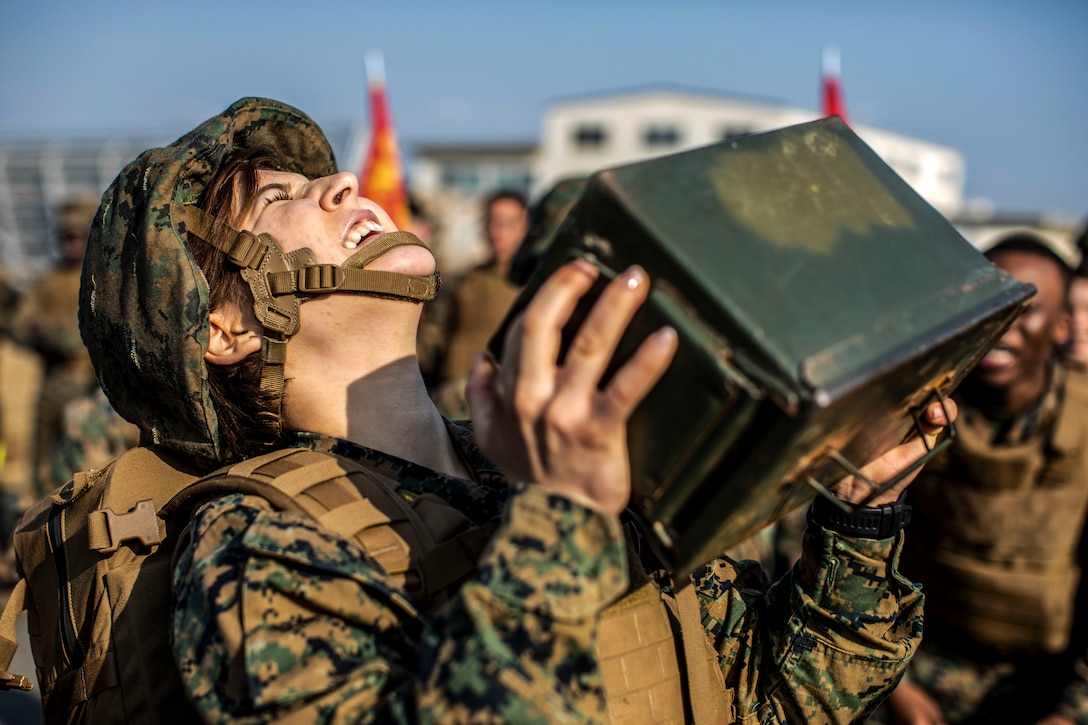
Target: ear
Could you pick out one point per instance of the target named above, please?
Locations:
(1062, 329)
(233, 336)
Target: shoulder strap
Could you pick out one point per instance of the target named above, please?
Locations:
(8, 640)
(357, 503)
(140, 481)
(706, 683)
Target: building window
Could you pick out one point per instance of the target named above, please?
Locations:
(515, 179)
(462, 177)
(661, 136)
(590, 136)
(734, 131)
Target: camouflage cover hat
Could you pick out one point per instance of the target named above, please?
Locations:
(144, 301)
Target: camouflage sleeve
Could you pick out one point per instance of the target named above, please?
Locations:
(826, 643)
(276, 617)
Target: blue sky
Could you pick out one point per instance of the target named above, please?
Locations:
(1002, 81)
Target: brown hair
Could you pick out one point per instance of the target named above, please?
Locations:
(249, 422)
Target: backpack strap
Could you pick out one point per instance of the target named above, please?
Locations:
(151, 476)
(8, 640)
(426, 558)
(706, 683)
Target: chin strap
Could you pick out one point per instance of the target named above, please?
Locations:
(281, 282)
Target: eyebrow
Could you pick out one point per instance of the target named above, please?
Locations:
(275, 186)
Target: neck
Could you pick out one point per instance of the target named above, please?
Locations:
(1016, 399)
(503, 261)
(366, 387)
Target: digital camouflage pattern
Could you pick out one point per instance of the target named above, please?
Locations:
(276, 616)
(144, 301)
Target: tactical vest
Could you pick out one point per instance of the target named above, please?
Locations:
(98, 658)
(482, 298)
(107, 661)
(1005, 573)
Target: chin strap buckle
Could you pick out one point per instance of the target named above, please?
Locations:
(319, 278)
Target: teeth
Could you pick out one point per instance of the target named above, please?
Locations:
(999, 356)
(365, 229)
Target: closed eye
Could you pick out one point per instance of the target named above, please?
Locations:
(272, 193)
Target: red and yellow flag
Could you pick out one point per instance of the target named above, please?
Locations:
(382, 177)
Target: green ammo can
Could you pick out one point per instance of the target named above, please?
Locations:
(821, 303)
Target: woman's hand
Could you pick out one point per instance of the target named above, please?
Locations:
(550, 424)
(899, 458)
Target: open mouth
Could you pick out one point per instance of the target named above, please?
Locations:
(999, 356)
(364, 230)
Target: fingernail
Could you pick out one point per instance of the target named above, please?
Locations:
(586, 266)
(636, 275)
(665, 337)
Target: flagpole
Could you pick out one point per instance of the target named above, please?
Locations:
(374, 65)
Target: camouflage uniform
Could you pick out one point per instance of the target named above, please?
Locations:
(258, 637)
(275, 615)
(975, 680)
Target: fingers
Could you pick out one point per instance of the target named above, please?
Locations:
(934, 420)
(638, 375)
(592, 348)
(532, 345)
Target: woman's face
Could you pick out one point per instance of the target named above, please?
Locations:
(328, 216)
(1078, 297)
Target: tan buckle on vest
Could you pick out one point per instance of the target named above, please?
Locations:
(106, 532)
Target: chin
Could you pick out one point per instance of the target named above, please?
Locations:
(407, 260)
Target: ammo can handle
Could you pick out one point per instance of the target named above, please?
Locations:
(879, 488)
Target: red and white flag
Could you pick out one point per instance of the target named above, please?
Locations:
(834, 105)
(381, 178)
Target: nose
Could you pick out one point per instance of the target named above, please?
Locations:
(338, 189)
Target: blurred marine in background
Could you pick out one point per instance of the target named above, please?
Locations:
(998, 535)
